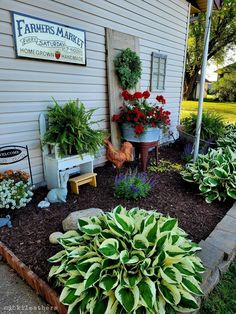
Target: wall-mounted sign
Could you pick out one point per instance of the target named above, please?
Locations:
(12, 154)
(41, 39)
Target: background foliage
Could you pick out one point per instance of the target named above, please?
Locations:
(222, 37)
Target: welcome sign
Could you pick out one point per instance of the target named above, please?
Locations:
(41, 39)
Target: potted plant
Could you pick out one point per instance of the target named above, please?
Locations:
(140, 120)
(69, 128)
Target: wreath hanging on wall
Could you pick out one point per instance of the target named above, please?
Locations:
(128, 68)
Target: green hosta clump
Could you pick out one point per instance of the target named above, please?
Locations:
(215, 173)
(229, 138)
(127, 262)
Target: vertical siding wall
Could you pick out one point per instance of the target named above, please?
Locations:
(26, 86)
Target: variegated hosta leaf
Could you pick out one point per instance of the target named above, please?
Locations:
(192, 285)
(124, 222)
(160, 305)
(55, 270)
(170, 292)
(85, 264)
(108, 282)
(109, 248)
(57, 257)
(128, 297)
(132, 280)
(119, 210)
(74, 281)
(147, 291)
(187, 303)
(92, 275)
(68, 296)
(171, 275)
(91, 229)
(140, 242)
(150, 232)
(168, 225)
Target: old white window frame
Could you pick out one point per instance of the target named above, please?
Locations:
(158, 71)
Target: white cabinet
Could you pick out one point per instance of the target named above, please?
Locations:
(55, 167)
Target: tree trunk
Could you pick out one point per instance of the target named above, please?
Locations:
(190, 83)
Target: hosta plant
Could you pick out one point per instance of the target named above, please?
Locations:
(215, 173)
(123, 261)
(229, 137)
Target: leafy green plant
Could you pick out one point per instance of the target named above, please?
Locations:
(211, 129)
(123, 261)
(70, 128)
(133, 186)
(164, 166)
(15, 189)
(229, 137)
(215, 173)
(128, 68)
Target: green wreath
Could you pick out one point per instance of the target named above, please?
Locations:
(128, 68)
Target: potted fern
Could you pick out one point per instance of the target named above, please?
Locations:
(70, 130)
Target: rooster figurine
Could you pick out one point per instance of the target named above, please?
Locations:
(118, 157)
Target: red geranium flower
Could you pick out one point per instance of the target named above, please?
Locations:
(126, 95)
(138, 129)
(138, 95)
(161, 99)
(146, 94)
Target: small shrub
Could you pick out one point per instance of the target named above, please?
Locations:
(123, 261)
(15, 189)
(229, 137)
(211, 129)
(215, 173)
(164, 166)
(132, 186)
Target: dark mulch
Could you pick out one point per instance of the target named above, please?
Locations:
(28, 238)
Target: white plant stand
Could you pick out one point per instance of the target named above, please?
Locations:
(54, 166)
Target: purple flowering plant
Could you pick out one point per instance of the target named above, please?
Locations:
(133, 186)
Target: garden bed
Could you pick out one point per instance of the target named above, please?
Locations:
(28, 238)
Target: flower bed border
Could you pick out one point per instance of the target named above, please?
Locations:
(39, 285)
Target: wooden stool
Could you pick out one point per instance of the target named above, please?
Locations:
(142, 148)
(82, 179)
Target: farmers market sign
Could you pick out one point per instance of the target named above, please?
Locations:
(41, 39)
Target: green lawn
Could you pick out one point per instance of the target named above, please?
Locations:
(222, 300)
(226, 109)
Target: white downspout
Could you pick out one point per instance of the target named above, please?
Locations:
(203, 77)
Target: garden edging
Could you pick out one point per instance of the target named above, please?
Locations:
(218, 251)
(39, 285)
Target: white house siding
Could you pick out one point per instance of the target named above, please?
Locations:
(27, 85)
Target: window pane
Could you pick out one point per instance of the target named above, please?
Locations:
(161, 81)
(158, 72)
(162, 66)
